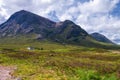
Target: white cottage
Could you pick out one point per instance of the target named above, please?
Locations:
(30, 48)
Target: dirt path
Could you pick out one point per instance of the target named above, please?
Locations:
(6, 73)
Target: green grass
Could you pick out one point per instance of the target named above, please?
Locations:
(59, 62)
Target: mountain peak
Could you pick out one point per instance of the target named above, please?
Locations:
(22, 14)
(101, 38)
(24, 22)
(96, 33)
(68, 21)
(26, 16)
(22, 11)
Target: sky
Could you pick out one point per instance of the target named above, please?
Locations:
(101, 16)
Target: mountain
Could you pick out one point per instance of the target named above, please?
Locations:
(24, 23)
(101, 38)
(68, 31)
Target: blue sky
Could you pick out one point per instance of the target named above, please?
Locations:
(116, 10)
(92, 15)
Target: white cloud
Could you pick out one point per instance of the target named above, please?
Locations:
(97, 6)
(95, 17)
(92, 15)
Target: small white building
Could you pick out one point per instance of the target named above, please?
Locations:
(30, 48)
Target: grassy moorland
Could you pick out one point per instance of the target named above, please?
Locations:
(53, 61)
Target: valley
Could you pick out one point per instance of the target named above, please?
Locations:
(60, 62)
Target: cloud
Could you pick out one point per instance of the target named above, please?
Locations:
(98, 6)
(95, 17)
(92, 15)
(55, 18)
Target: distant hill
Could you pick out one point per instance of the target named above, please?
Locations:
(101, 38)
